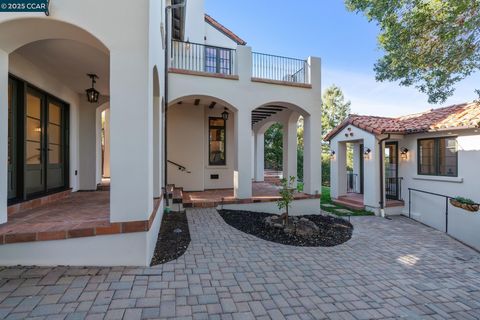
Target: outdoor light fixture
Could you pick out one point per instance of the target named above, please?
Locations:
(332, 155)
(367, 153)
(92, 94)
(404, 153)
(225, 115)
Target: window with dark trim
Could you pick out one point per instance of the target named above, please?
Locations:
(218, 60)
(438, 157)
(216, 142)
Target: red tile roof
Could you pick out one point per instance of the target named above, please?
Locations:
(217, 25)
(460, 116)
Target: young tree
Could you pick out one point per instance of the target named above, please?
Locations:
(431, 44)
(286, 197)
(335, 108)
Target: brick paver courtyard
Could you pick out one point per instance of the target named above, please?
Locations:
(390, 269)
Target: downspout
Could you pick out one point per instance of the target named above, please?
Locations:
(382, 180)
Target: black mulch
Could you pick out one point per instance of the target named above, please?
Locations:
(169, 245)
(333, 231)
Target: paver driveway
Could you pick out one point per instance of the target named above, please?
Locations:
(390, 269)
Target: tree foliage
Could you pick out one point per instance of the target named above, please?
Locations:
(274, 147)
(335, 108)
(431, 44)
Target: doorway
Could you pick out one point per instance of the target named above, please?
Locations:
(38, 142)
(391, 170)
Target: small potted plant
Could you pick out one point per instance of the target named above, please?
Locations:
(465, 204)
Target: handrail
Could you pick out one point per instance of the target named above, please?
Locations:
(179, 166)
(447, 198)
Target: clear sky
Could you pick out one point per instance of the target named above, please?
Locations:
(345, 41)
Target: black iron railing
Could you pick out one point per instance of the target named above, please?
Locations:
(352, 179)
(179, 166)
(447, 203)
(203, 58)
(393, 188)
(270, 67)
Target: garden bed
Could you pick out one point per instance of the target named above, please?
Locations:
(332, 231)
(171, 246)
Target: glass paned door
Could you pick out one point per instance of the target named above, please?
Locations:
(391, 171)
(12, 150)
(218, 60)
(34, 143)
(56, 143)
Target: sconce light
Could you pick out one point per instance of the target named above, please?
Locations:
(225, 114)
(404, 153)
(187, 44)
(366, 153)
(332, 154)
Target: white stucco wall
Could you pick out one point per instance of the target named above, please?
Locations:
(431, 209)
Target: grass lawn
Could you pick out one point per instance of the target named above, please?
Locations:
(326, 199)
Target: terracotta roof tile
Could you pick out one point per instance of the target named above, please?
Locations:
(217, 25)
(452, 117)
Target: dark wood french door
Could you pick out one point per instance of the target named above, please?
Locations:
(391, 171)
(38, 132)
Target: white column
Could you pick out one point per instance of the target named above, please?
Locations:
(106, 162)
(242, 181)
(259, 157)
(3, 136)
(338, 169)
(312, 163)
(290, 147)
(131, 162)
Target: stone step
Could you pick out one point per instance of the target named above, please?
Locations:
(354, 205)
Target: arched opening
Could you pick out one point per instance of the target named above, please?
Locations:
(278, 136)
(201, 140)
(55, 134)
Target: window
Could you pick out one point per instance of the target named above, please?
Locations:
(216, 132)
(218, 60)
(438, 157)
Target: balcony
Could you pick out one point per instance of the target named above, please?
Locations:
(204, 60)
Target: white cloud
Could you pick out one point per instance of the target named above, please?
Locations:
(388, 98)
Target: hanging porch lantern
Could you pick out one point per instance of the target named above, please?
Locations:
(225, 115)
(92, 94)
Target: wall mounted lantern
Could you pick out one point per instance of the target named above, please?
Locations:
(225, 115)
(366, 153)
(404, 153)
(92, 94)
(332, 154)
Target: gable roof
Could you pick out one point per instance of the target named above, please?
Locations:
(460, 116)
(217, 25)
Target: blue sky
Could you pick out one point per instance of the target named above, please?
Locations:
(345, 41)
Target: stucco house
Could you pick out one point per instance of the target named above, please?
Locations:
(173, 98)
(404, 165)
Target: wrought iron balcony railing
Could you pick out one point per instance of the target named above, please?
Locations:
(203, 58)
(277, 68)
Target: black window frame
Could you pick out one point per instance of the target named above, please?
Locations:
(217, 58)
(224, 128)
(436, 157)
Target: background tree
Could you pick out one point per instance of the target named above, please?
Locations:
(335, 110)
(274, 147)
(431, 44)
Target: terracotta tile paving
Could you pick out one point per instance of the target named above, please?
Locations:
(262, 192)
(79, 210)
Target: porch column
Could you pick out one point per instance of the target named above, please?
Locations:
(3, 136)
(106, 162)
(371, 197)
(338, 169)
(259, 157)
(290, 147)
(131, 162)
(312, 163)
(242, 176)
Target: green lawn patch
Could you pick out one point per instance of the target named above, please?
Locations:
(341, 211)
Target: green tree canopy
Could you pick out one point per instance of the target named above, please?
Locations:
(431, 44)
(335, 108)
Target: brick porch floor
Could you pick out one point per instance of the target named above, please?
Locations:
(82, 214)
(262, 192)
